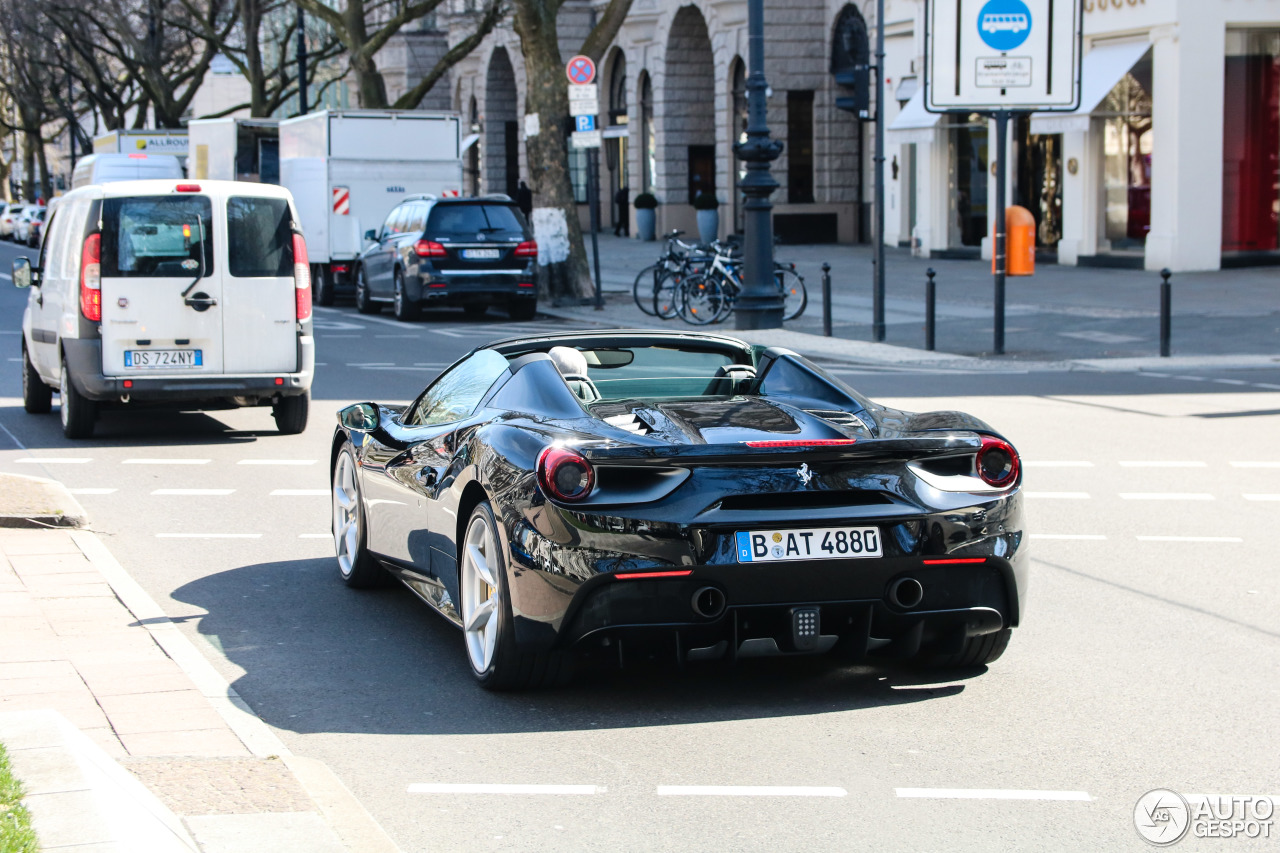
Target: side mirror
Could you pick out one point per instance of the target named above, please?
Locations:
(371, 236)
(362, 417)
(22, 272)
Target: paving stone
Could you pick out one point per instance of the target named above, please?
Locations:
(209, 742)
(47, 770)
(50, 564)
(35, 669)
(68, 818)
(156, 702)
(85, 590)
(189, 719)
(104, 687)
(77, 706)
(205, 786)
(61, 683)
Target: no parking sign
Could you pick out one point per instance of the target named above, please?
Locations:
(580, 70)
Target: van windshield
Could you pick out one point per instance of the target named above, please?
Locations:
(156, 236)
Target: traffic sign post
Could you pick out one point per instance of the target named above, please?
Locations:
(584, 99)
(1002, 57)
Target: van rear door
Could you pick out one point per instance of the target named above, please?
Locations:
(260, 316)
(162, 311)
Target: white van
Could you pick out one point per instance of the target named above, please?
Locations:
(169, 293)
(105, 168)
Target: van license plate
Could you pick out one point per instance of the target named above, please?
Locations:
(481, 254)
(162, 358)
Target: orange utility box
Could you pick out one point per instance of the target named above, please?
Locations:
(1019, 242)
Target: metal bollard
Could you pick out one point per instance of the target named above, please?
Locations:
(1166, 309)
(826, 299)
(930, 303)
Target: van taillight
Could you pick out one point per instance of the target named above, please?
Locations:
(301, 277)
(527, 249)
(91, 278)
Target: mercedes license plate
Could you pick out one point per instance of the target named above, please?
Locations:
(829, 543)
(481, 254)
(162, 358)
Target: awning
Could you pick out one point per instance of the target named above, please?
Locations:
(913, 124)
(1102, 68)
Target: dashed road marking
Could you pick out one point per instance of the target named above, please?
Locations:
(1231, 381)
(1189, 539)
(464, 788)
(53, 460)
(1165, 496)
(277, 462)
(299, 493)
(749, 791)
(991, 794)
(1266, 385)
(1066, 496)
(194, 492)
(1173, 463)
(1262, 497)
(370, 364)
(157, 461)
(92, 491)
(1046, 463)
(208, 535)
(1081, 537)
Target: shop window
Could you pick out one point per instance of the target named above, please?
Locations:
(800, 147)
(1126, 158)
(648, 138)
(739, 130)
(702, 170)
(967, 181)
(1251, 142)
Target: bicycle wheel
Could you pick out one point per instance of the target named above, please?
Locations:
(666, 296)
(701, 300)
(794, 296)
(646, 287)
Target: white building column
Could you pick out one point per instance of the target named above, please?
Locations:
(1080, 202)
(1186, 161)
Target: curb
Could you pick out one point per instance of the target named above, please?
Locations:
(51, 505)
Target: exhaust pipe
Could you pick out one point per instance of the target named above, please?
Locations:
(906, 593)
(708, 602)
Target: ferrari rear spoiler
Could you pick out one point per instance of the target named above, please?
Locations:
(948, 444)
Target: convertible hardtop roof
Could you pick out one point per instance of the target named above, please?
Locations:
(618, 338)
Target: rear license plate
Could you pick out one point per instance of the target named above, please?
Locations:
(162, 358)
(832, 543)
(481, 254)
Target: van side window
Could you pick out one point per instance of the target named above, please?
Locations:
(52, 231)
(156, 236)
(259, 237)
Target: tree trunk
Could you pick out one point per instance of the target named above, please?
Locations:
(562, 257)
(46, 183)
(370, 87)
(28, 167)
(251, 21)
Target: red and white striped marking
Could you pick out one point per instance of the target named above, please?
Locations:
(450, 194)
(341, 201)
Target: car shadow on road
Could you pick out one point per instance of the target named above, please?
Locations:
(319, 657)
(149, 428)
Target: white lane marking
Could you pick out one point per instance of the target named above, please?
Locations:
(298, 493)
(277, 462)
(1067, 496)
(15, 359)
(1190, 378)
(370, 364)
(315, 535)
(1231, 381)
(1047, 463)
(1189, 539)
(52, 460)
(1082, 537)
(748, 791)
(1165, 496)
(1262, 497)
(463, 788)
(194, 492)
(208, 535)
(430, 364)
(1164, 464)
(157, 461)
(448, 333)
(6, 275)
(990, 794)
(1255, 464)
(1266, 385)
(92, 491)
(402, 367)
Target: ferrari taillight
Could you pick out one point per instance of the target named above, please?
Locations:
(301, 278)
(997, 462)
(811, 442)
(91, 278)
(565, 475)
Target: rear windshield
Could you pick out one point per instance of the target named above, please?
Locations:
(259, 237)
(470, 221)
(621, 372)
(156, 236)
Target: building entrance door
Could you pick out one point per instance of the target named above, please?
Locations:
(1038, 182)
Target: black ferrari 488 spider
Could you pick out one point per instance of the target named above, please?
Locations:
(612, 493)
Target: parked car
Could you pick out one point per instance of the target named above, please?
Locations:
(635, 494)
(35, 227)
(107, 167)
(436, 252)
(9, 219)
(22, 225)
(169, 293)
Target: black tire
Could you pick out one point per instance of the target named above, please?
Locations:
(522, 311)
(475, 310)
(356, 566)
(701, 300)
(79, 414)
(645, 289)
(322, 284)
(510, 667)
(37, 398)
(291, 413)
(978, 651)
(795, 298)
(364, 304)
(405, 309)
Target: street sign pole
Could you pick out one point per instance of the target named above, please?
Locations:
(1002, 133)
(877, 300)
(593, 193)
(584, 101)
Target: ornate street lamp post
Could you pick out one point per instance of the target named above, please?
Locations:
(760, 303)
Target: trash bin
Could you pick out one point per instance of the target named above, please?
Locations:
(1019, 242)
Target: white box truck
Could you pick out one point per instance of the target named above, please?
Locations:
(235, 149)
(347, 169)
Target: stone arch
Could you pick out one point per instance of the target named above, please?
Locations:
(616, 112)
(687, 155)
(647, 142)
(501, 130)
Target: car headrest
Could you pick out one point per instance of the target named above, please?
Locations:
(568, 360)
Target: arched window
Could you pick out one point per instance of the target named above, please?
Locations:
(648, 138)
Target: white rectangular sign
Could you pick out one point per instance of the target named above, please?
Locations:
(983, 55)
(585, 139)
(589, 92)
(582, 108)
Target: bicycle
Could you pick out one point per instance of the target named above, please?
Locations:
(710, 297)
(674, 262)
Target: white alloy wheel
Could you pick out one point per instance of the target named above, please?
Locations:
(480, 593)
(346, 514)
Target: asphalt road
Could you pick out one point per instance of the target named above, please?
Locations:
(1149, 656)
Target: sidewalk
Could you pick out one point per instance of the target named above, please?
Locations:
(80, 638)
(1059, 315)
